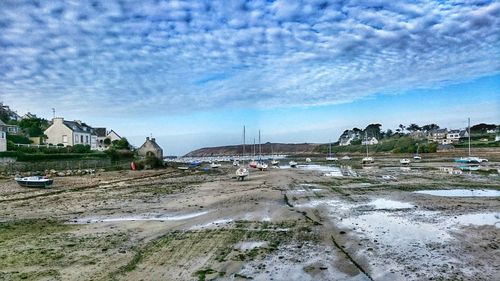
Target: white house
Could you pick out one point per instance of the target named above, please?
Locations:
(370, 141)
(3, 140)
(70, 133)
(102, 135)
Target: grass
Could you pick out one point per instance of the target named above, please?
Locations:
(39, 249)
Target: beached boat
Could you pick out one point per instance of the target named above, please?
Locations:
(293, 164)
(242, 172)
(308, 160)
(236, 163)
(261, 165)
(405, 161)
(367, 160)
(330, 157)
(253, 164)
(34, 181)
(346, 158)
(275, 162)
(470, 159)
(417, 156)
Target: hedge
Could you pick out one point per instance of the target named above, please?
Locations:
(26, 157)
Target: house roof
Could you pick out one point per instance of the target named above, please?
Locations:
(453, 131)
(100, 132)
(153, 143)
(114, 133)
(79, 127)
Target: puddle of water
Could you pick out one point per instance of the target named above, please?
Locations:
(249, 245)
(478, 219)
(461, 192)
(144, 217)
(320, 168)
(382, 203)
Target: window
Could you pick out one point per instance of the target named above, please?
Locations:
(87, 139)
(76, 138)
(81, 138)
(64, 139)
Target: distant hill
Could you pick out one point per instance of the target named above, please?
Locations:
(278, 148)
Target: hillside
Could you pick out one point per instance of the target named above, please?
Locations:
(277, 148)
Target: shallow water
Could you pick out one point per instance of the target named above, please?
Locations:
(382, 203)
(478, 219)
(461, 192)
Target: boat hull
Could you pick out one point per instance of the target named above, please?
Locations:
(27, 183)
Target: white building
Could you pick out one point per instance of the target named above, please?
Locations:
(3, 140)
(370, 141)
(70, 133)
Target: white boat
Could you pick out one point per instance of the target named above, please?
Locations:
(262, 166)
(34, 181)
(367, 159)
(215, 165)
(292, 164)
(346, 158)
(242, 172)
(417, 156)
(183, 168)
(308, 160)
(470, 159)
(388, 177)
(404, 161)
(275, 162)
(330, 157)
(236, 163)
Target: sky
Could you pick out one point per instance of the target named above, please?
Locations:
(192, 73)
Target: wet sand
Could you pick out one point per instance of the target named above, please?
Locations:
(280, 224)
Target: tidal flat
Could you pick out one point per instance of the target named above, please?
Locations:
(280, 224)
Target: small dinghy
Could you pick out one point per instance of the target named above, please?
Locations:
(293, 164)
(346, 158)
(35, 181)
(262, 166)
(275, 162)
(215, 165)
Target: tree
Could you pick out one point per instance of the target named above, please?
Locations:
(413, 127)
(388, 133)
(402, 128)
(34, 127)
(121, 144)
(482, 128)
(373, 130)
(430, 127)
(107, 141)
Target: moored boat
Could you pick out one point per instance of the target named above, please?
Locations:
(405, 161)
(293, 164)
(34, 181)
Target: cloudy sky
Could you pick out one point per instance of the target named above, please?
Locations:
(192, 73)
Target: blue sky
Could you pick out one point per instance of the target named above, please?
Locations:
(192, 73)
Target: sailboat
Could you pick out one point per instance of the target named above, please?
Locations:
(367, 159)
(253, 163)
(242, 172)
(274, 162)
(470, 159)
(330, 157)
(261, 165)
(417, 156)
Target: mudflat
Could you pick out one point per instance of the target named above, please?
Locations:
(429, 221)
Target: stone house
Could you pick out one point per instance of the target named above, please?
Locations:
(70, 133)
(438, 136)
(150, 148)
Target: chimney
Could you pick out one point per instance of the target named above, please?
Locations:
(57, 120)
(147, 138)
(79, 122)
(153, 140)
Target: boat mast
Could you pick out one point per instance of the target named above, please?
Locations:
(260, 147)
(254, 148)
(469, 134)
(330, 149)
(243, 143)
(366, 142)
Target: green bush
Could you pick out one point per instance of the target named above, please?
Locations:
(18, 139)
(80, 148)
(116, 155)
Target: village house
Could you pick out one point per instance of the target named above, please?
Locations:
(454, 136)
(12, 114)
(29, 115)
(3, 139)
(102, 135)
(418, 135)
(10, 129)
(439, 136)
(150, 148)
(348, 136)
(70, 133)
(370, 141)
